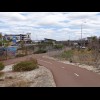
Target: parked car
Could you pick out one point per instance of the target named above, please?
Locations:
(83, 47)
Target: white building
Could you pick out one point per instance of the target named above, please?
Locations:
(18, 37)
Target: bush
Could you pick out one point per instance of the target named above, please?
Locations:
(1, 66)
(67, 54)
(58, 46)
(40, 51)
(25, 66)
(20, 55)
(89, 49)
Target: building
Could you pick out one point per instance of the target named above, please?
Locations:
(16, 38)
(50, 40)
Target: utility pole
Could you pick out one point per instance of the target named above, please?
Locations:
(69, 40)
(81, 36)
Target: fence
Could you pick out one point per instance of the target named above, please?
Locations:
(7, 52)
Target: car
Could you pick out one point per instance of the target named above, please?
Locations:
(82, 47)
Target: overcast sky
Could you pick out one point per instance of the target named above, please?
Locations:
(53, 25)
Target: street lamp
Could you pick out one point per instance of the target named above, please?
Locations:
(81, 33)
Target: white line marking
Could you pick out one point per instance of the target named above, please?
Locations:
(76, 74)
(45, 61)
(63, 67)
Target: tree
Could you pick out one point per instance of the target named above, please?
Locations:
(23, 47)
(6, 44)
(0, 39)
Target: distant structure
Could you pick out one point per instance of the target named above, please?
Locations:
(16, 38)
(49, 40)
(45, 41)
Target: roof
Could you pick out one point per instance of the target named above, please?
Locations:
(49, 39)
(14, 34)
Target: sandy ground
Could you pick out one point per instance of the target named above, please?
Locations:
(40, 77)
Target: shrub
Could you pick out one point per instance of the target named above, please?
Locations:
(67, 54)
(1, 66)
(20, 55)
(25, 66)
(40, 51)
(59, 46)
(89, 49)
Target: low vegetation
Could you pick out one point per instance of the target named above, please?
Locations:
(25, 65)
(58, 46)
(1, 66)
(20, 55)
(40, 51)
(83, 56)
(67, 54)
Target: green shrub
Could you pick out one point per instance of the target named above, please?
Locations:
(25, 66)
(67, 54)
(20, 55)
(89, 49)
(1, 66)
(59, 46)
(40, 51)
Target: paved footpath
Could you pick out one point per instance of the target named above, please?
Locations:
(64, 75)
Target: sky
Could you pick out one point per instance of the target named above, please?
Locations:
(52, 25)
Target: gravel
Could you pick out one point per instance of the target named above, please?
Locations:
(40, 77)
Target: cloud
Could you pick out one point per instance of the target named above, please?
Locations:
(55, 25)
